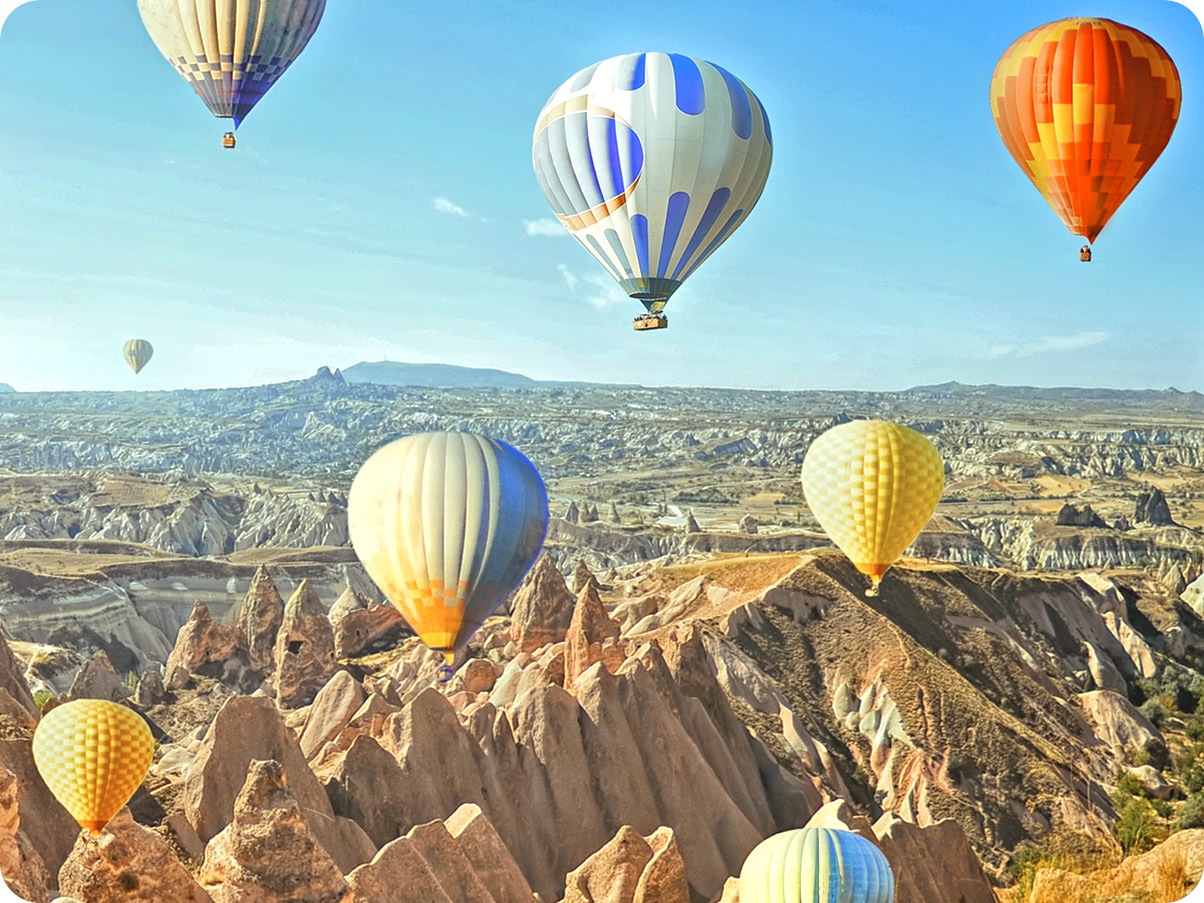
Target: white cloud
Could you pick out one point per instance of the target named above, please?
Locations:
(1047, 344)
(569, 279)
(445, 205)
(598, 289)
(603, 293)
(547, 227)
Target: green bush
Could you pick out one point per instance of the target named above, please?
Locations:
(1154, 710)
(1194, 779)
(41, 697)
(1195, 728)
(1192, 813)
(1137, 827)
(1128, 787)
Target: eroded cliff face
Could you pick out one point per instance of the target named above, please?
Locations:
(138, 606)
(191, 518)
(989, 698)
(720, 701)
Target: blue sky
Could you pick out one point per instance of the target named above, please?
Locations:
(381, 204)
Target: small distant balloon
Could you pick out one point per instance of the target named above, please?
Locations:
(231, 52)
(1085, 106)
(447, 524)
(93, 755)
(816, 865)
(138, 353)
(872, 485)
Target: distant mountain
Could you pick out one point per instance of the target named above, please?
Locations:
(1167, 398)
(434, 376)
(5, 387)
(447, 376)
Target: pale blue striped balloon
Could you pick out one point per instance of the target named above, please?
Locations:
(816, 865)
(651, 160)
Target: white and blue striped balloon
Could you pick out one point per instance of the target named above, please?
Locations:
(447, 524)
(816, 865)
(651, 160)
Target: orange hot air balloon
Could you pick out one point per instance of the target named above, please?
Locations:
(1085, 106)
(93, 755)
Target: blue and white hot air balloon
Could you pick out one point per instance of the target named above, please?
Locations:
(231, 51)
(447, 524)
(651, 160)
(823, 862)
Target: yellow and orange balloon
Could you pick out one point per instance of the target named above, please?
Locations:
(1085, 106)
(872, 485)
(93, 755)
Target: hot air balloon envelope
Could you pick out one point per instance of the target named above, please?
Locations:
(872, 485)
(1085, 106)
(93, 754)
(447, 524)
(138, 353)
(816, 865)
(651, 160)
(231, 51)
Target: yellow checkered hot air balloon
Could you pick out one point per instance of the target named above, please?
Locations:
(1085, 106)
(137, 353)
(872, 485)
(93, 755)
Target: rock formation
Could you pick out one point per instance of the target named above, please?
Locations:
(581, 575)
(268, 853)
(127, 863)
(20, 864)
(333, 708)
(748, 525)
(691, 523)
(361, 627)
(259, 619)
(655, 744)
(935, 862)
(444, 862)
(542, 608)
(249, 728)
(1152, 508)
(1178, 860)
(1074, 516)
(573, 514)
(12, 678)
(206, 648)
(592, 637)
(98, 680)
(304, 654)
(150, 689)
(631, 869)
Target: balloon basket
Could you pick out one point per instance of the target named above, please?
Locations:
(228, 140)
(651, 321)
